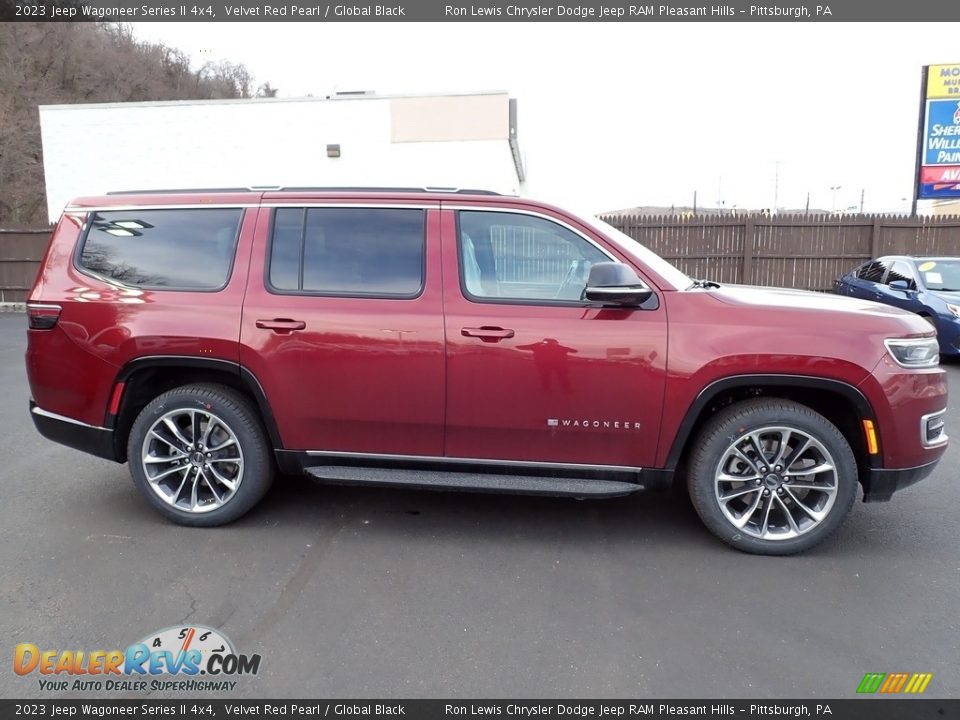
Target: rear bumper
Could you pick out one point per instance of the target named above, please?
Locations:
(73, 433)
(882, 483)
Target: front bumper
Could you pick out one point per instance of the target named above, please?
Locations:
(73, 433)
(948, 335)
(881, 483)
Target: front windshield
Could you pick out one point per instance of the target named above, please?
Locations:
(943, 275)
(628, 245)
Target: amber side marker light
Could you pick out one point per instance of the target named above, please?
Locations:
(870, 433)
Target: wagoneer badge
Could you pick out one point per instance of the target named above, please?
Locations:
(583, 424)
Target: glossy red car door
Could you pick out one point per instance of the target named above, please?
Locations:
(349, 374)
(550, 382)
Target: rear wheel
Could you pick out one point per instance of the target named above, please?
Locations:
(199, 455)
(772, 477)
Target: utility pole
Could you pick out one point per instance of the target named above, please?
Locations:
(862, 193)
(806, 210)
(776, 184)
(694, 202)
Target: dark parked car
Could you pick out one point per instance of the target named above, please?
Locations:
(927, 286)
(466, 341)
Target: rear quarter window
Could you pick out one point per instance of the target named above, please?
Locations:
(872, 271)
(183, 249)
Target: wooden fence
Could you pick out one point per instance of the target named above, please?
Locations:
(20, 254)
(794, 251)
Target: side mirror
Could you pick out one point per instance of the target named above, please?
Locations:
(901, 285)
(614, 283)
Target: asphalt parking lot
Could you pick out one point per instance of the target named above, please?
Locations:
(352, 592)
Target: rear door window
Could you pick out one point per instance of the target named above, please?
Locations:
(181, 249)
(349, 252)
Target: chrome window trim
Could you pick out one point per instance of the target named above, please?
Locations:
(342, 204)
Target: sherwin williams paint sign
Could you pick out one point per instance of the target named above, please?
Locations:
(940, 154)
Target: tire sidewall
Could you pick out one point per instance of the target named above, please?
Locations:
(242, 420)
(734, 422)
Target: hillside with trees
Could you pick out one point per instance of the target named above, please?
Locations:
(61, 63)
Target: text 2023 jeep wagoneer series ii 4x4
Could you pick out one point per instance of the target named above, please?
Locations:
(462, 340)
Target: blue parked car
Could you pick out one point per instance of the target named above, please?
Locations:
(928, 286)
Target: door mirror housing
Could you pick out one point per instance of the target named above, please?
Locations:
(901, 285)
(614, 283)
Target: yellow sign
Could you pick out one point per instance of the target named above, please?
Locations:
(943, 81)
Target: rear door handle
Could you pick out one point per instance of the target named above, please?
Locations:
(487, 333)
(281, 325)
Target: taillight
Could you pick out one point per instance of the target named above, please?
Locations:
(42, 316)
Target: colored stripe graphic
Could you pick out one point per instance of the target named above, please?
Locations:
(871, 682)
(894, 683)
(918, 683)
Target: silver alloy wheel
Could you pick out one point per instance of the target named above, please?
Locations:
(776, 483)
(192, 460)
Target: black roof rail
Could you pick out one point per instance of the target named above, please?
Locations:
(428, 189)
(173, 191)
(277, 188)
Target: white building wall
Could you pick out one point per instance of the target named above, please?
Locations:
(94, 149)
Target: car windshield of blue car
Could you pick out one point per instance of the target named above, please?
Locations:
(940, 275)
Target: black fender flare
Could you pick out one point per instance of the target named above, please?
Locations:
(245, 376)
(708, 393)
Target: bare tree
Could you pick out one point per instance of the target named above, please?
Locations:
(61, 63)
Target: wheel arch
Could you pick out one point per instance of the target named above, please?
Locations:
(841, 403)
(146, 377)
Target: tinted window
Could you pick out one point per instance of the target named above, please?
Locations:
(348, 251)
(190, 249)
(519, 257)
(901, 271)
(872, 271)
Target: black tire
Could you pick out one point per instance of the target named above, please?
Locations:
(721, 433)
(240, 417)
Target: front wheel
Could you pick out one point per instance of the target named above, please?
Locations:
(772, 477)
(199, 455)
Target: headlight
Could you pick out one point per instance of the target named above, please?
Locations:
(914, 352)
(955, 309)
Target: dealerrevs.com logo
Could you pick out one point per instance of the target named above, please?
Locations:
(184, 659)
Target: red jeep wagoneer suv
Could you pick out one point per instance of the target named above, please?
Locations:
(462, 340)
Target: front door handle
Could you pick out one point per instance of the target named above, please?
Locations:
(281, 325)
(487, 333)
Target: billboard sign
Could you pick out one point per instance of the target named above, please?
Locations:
(939, 155)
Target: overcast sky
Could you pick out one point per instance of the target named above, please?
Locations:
(618, 115)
